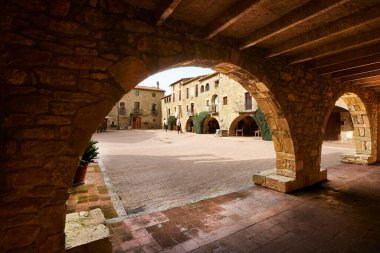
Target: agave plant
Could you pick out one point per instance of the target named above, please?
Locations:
(90, 153)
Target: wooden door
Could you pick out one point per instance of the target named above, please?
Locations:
(136, 122)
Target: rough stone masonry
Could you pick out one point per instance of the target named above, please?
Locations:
(64, 64)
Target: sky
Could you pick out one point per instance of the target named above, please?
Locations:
(169, 76)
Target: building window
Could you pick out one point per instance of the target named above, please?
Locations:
(202, 89)
(136, 108)
(169, 111)
(248, 101)
(207, 102)
(154, 94)
(187, 92)
(137, 93)
(154, 109)
(207, 88)
(216, 83)
(196, 90)
(180, 95)
(224, 100)
(122, 104)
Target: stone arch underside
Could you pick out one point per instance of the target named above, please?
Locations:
(210, 124)
(247, 120)
(189, 125)
(362, 131)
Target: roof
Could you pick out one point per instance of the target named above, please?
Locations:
(166, 96)
(338, 39)
(149, 88)
(182, 79)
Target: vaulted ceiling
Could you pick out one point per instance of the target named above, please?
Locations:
(336, 38)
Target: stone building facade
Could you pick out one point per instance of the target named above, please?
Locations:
(229, 105)
(138, 109)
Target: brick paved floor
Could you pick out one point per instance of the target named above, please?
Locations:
(341, 215)
(93, 194)
(154, 170)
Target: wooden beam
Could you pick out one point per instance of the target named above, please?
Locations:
(344, 57)
(366, 85)
(302, 14)
(165, 10)
(233, 14)
(355, 71)
(373, 74)
(350, 64)
(347, 24)
(360, 40)
(368, 80)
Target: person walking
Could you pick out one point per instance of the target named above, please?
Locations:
(165, 124)
(179, 129)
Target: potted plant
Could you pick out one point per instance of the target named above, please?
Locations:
(88, 156)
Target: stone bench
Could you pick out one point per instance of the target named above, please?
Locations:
(87, 232)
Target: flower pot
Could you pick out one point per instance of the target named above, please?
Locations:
(80, 174)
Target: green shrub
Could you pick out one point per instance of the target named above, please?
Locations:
(198, 121)
(261, 121)
(171, 119)
(90, 153)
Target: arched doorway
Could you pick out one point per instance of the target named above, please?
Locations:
(190, 125)
(244, 125)
(210, 125)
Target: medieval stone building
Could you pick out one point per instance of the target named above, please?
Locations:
(138, 109)
(229, 105)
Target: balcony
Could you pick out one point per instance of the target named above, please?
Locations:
(213, 109)
(154, 112)
(246, 109)
(136, 111)
(190, 113)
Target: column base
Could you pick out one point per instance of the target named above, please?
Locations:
(271, 180)
(360, 159)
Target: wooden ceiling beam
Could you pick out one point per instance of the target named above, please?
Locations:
(302, 14)
(368, 80)
(233, 14)
(367, 85)
(350, 23)
(373, 74)
(350, 64)
(344, 57)
(165, 10)
(360, 40)
(355, 71)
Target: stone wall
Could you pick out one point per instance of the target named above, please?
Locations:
(64, 64)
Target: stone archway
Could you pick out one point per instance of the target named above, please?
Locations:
(362, 130)
(190, 125)
(210, 125)
(63, 73)
(246, 123)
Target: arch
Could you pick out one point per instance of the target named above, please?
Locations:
(210, 125)
(202, 89)
(207, 87)
(246, 123)
(190, 125)
(362, 138)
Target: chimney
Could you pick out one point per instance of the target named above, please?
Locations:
(158, 84)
